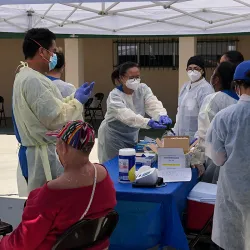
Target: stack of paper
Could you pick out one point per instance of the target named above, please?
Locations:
(175, 174)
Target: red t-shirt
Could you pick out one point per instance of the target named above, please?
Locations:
(49, 213)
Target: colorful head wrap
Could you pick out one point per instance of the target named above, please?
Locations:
(77, 134)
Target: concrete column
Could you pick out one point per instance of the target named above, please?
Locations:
(187, 48)
(74, 60)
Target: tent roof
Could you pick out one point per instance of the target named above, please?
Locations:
(192, 17)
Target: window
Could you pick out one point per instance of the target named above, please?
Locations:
(212, 50)
(158, 53)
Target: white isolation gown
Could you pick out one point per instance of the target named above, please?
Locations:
(227, 145)
(39, 107)
(124, 118)
(189, 103)
(211, 106)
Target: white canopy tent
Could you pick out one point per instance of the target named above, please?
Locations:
(191, 17)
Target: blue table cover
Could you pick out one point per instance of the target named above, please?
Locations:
(149, 216)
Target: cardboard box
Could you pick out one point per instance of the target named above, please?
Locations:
(172, 152)
(146, 159)
(176, 142)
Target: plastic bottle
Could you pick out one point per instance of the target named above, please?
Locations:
(127, 165)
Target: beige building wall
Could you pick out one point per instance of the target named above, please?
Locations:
(11, 54)
(98, 65)
(243, 46)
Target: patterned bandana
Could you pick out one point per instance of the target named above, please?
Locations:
(76, 134)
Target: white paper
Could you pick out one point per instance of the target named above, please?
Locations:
(176, 174)
(171, 157)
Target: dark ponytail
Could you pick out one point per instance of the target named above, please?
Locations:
(115, 75)
(121, 70)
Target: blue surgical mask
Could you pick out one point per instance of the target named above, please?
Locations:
(52, 62)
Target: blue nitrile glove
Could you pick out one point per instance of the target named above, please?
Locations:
(155, 125)
(164, 119)
(83, 93)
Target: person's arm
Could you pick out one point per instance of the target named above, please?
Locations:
(153, 106)
(215, 147)
(68, 90)
(127, 116)
(182, 91)
(31, 232)
(50, 111)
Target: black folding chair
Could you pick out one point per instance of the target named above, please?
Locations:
(195, 236)
(98, 105)
(5, 228)
(87, 111)
(87, 233)
(2, 112)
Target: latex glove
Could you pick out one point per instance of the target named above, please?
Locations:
(164, 119)
(155, 125)
(201, 169)
(83, 93)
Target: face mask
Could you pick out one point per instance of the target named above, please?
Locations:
(57, 157)
(52, 62)
(194, 75)
(133, 83)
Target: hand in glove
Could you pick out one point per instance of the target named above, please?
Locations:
(164, 119)
(201, 169)
(155, 125)
(83, 93)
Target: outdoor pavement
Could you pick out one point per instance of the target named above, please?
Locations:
(10, 174)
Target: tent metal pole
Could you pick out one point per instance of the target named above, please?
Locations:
(227, 23)
(151, 22)
(70, 14)
(48, 18)
(189, 14)
(132, 8)
(111, 7)
(82, 8)
(231, 18)
(219, 12)
(244, 3)
(13, 24)
(46, 12)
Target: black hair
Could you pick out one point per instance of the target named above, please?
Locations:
(121, 70)
(88, 148)
(199, 61)
(42, 36)
(60, 60)
(225, 71)
(234, 57)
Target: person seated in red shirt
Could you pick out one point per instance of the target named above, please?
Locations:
(83, 190)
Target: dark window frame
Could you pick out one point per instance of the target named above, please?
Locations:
(212, 49)
(148, 53)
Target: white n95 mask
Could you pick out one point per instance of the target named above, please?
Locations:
(194, 75)
(133, 83)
